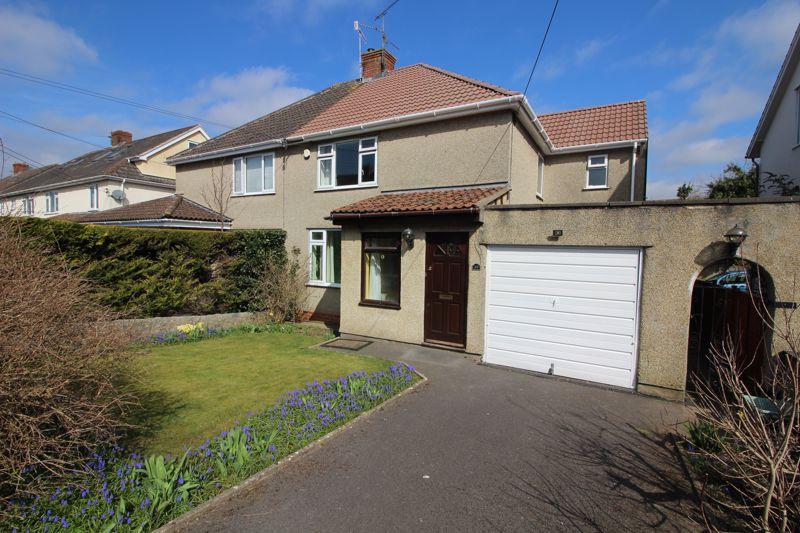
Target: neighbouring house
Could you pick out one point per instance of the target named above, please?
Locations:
(775, 145)
(173, 211)
(127, 172)
(413, 128)
(437, 209)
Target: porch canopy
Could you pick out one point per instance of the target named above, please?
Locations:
(443, 201)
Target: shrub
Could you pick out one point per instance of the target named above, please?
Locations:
(283, 288)
(60, 367)
(160, 272)
(126, 492)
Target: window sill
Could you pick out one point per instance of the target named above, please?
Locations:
(346, 188)
(324, 285)
(244, 194)
(380, 305)
(600, 188)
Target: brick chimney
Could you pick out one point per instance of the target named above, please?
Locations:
(120, 136)
(20, 167)
(376, 63)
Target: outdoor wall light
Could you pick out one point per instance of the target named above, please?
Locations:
(736, 235)
(407, 235)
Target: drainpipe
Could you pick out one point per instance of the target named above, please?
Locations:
(633, 170)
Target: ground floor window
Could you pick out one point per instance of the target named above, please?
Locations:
(380, 272)
(325, 251)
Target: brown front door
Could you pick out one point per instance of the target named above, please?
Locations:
(446, 288)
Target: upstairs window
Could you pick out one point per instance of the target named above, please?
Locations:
(540, 179)
(797, 116)
(325, 251)
(597, 172)
(192, 144)
(93, 200)
(347, 164)
(254, 174)
(51, 202)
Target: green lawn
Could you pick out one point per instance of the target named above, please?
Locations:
(195, 390)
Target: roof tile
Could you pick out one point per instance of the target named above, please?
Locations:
(420, 202)
(174, 206)
(616, 122)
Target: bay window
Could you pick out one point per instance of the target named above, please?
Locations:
(597, 172)
(347, 164)
(254, 174)
(325, 257)
(380, 270)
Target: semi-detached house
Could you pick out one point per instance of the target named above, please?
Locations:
(399, 132)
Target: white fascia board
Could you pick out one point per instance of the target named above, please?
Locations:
(163, 223)
(83, 181)
(517, 103)
(170, 142)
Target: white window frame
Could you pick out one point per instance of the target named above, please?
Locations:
(362, 151)
(51, 202)
(28, 205)
(797, 116)
(589, 165)
(242, 165)
(540, 179)
(192, 144)
(94, 197)
(323, 257)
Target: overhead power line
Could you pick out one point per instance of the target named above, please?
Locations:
(541, 47)
(25, 158)
(51, 130)
(103, 96)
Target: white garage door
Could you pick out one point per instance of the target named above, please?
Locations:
(569, 311)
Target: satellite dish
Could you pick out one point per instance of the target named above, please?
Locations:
(118, 195)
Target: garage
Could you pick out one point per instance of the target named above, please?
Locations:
(567, 311)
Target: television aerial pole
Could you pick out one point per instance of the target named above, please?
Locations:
(379, 26)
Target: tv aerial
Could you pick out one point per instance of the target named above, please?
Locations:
(378, 25)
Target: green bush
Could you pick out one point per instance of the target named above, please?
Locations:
(160, 272)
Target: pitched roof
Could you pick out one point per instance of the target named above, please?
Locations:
(429, 202)
(173, 207)
(111, 161)
(404, 91)
(594, 125)
(779, 88)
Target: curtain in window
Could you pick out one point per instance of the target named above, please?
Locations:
(333, 256)
(269, 177)
(253, 174)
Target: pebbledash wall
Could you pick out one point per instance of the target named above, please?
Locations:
(679, 239)
(481, 149)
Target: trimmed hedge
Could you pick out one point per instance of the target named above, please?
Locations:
(160, 272)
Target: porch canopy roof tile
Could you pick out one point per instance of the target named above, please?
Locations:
(427, 202)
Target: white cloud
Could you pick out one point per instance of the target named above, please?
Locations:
(37, 45)
(764, 31)
(590, 49)
(729, 73)
(239, 98)
(710, 151)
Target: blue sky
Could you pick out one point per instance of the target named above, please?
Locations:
(705, 67)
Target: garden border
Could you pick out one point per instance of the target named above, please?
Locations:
(183, 522)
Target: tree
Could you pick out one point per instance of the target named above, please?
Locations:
(735, 182)
(685, 190)
(217, 193)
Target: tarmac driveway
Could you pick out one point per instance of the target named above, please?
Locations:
(480, 449)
